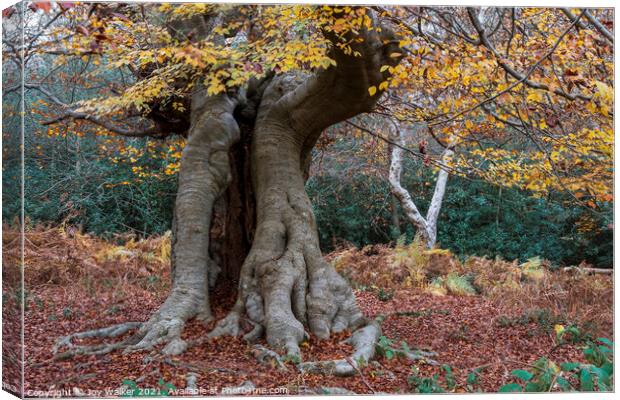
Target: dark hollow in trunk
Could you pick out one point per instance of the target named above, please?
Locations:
(232, 229)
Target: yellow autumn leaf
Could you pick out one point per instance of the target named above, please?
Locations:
(372, 90)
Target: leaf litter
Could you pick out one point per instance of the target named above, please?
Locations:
(75, 282)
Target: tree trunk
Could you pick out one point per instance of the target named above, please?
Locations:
(204, 176)
(426, 227)
(232, 230)
(285, 283)
(264, 233)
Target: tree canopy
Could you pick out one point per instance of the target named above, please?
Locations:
(525, 95)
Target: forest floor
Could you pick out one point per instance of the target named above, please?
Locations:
(76, 283)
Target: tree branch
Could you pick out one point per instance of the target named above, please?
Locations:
(69, 113)
(572, 17)
(599, 27)
(411, 211)
(341, 91)
(523, 78)
(440, 189)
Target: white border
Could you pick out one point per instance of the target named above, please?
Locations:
(520, 3)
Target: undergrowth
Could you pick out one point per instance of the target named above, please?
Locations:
(576, 306)
(545, 376)
(63, 256)
(535, 284)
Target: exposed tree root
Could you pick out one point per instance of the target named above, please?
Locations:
(418, 355)
(110, 331)
(160, 330)
(363, 341)
(191, 379)
(228, 326)
(255, 334)
(107, 332)
(164, 327)
(266, 356)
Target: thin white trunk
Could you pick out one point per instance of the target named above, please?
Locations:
(440, 189)
(427, 227)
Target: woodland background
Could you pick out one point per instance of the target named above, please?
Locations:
(492, 307)
(73, 179)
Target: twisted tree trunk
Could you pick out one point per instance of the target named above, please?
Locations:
(285, 284)
(204, 176)
(241, 205)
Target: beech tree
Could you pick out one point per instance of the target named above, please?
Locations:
(248, 91)
(251, 89)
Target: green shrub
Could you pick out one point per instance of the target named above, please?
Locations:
(476, 218)
(422, 384)
(545, 375)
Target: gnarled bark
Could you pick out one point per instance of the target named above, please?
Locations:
(284, 281)
(203, 177)
(285, 284)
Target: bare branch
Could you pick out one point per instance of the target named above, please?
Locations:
(523, 79)
(572, 17)
(427, 227)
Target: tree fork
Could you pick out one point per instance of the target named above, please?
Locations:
(285, 284)
(284, 281)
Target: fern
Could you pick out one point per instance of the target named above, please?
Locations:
(459, 285)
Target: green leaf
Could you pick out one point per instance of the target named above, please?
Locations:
(605, 341)
(522, 374)
(564, 384)
(544, 382)
(510, 387)
(608, 367)
(569, 366)
(472, 379)
(585, 380)
(601, 373)
(532, 387)
(450, 382)
(406, 347)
